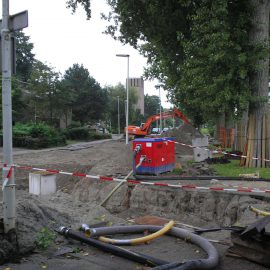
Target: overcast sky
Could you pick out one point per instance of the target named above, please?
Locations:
(62, 39)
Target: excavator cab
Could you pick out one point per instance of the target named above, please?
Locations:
(141, 125)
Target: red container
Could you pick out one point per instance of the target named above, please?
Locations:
(159, 155)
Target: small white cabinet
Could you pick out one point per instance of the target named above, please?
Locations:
(42, 183)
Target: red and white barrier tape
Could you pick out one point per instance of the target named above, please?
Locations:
(220, 152)
(7, 176)
(136, 182)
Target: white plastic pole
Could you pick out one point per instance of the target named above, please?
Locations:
(118, 115)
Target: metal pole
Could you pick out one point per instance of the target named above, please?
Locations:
(160, 111)
(9, 203)
(127, 86)
(157, 119)
(118, 115)
(127, 99)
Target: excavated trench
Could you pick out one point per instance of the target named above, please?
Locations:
(197, 207)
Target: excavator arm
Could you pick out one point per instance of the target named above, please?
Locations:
(144, 129)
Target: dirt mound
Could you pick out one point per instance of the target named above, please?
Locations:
(35, 213)
(184, 134)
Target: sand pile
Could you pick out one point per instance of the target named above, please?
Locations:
(184, 134)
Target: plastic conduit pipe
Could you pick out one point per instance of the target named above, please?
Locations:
(209, 263)
(118, 251)
(153, 178)
(137, 149)
(139, 240)
(258, 211)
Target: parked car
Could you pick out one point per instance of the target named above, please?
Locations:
(155, 130)
(165, 129)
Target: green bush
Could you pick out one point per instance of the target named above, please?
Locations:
(98, 136)
(77, 133)
(75, 124)
(41, 130)
(36, 136)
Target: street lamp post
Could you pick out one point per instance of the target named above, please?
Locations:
(118, 115)
(160, 112)
(127, 82)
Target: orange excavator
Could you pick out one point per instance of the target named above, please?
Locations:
(144, 129)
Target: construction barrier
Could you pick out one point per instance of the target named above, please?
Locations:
(137, 182)
(222, 152)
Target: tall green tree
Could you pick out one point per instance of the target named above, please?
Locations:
(25, 57)
(116, 93)
(216, 62)
(43, 91)
(210, 51)
(259, 83)
(25, 60)
(89, 99)
(135, 118)
(151, 105)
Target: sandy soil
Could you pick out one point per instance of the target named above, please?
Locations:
(77, 201)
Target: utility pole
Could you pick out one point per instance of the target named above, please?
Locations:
(118, 115)
(8, 24)
(156, 120)
(160, 112)
(127, 87)
(9, 203)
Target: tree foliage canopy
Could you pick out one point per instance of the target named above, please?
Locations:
(151, 104)
(198, 49)
(89, 99)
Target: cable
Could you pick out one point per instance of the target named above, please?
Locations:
(258, 212)
(209, 263)
(139, 240)
(227, 178)
(118, 251)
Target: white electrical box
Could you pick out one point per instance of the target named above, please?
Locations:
(201, 153)
(42, 183)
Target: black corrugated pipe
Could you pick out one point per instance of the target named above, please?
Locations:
(208, 263)
(118, 251)
(170, 177)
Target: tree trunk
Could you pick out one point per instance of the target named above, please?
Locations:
(259, 80)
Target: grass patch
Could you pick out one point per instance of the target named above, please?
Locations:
(74, 141)
(233, 169)
(177, 171)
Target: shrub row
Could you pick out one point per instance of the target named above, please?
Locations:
(83, 133)
(37, 143)
(36, 136)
